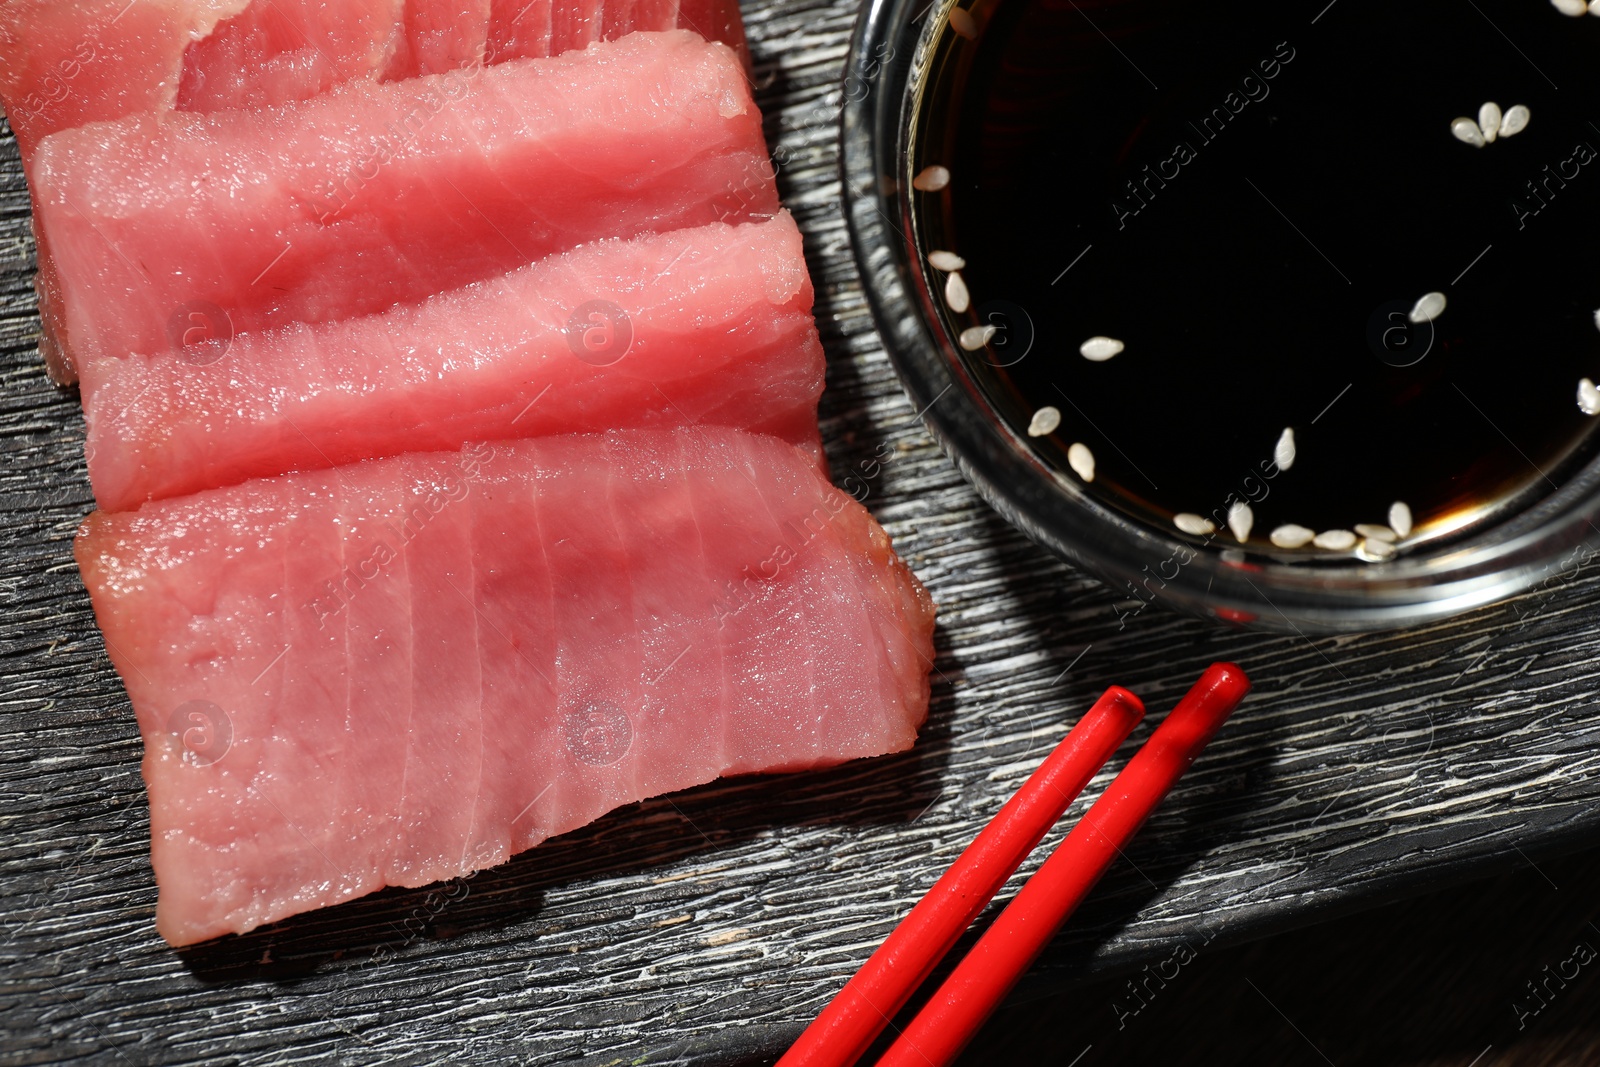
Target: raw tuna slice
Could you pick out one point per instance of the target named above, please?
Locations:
(715, 20)
(53, 344)
(370, 195)
(573, 24)
(411, 668)
(522, 31)
(708, 325)
(278, 50)
(526, 29)
(64, 64)
(447, 34)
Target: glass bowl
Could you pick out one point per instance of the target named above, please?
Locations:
(1546, 539)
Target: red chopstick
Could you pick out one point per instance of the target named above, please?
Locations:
(848, 1025)
(1009, 947)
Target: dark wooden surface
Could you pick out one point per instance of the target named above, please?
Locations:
(1439, 980)
(708, 926)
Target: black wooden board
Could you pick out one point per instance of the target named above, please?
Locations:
(707, 927)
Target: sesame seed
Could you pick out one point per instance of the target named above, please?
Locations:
(1374, 551)
(1572, 8)
(1516, 120)
(1335, 540)
(1292, 536)
(1240, 519)
(1466, 130)
(1283, 452)
(961, 21)
(1082, 461)
(945, 261)
(1489, 121)
(1100, 349)
(1375, 533)
(1588, 397)
(1045, 421)
(1428, 307)
(955, 293)
(1193, 524)
(1400, 518)
(931, 179)
(975, 337)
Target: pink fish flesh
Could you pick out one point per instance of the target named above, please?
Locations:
(703, 325)
(447, 35)
(273, 51)
(409, 669)
(63, 64)
(66, 64)
(370, 195)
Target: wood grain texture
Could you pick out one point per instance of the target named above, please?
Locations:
(1440, 980)
(707, 927)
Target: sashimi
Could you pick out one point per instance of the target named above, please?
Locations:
(411, 668)
(375, 194)
(705, 325)
(278, 50)
(447, 34)
(524, 29)
(62, 65)
(715, 20)
(573, 24)
(65, 64)
(53, 342)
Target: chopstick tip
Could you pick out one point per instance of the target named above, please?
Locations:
(1125, 699)
(1223, 677)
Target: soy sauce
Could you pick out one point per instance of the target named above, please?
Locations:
(1253, 197)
